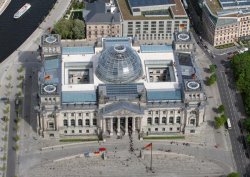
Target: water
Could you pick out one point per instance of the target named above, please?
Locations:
(13, 32)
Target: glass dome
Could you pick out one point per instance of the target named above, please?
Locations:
(119, 64)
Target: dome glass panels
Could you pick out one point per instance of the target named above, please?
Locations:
(119, 64)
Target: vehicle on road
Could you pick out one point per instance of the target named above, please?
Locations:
(229, 125)
(21, 11)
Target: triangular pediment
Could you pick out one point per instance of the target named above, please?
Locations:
(122, 109)
(122, 112)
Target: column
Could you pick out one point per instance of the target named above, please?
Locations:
(126, 125)
(118, 126)
(133, 124)
(140, 123)
(111, 126)
(104, 125)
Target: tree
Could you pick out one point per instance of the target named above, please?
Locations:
(70, 29)
(241, 68)
(233, 174)
(78, 29)
(63, 27)
(246, 124)
(212, 68)
(221, 109)
(248, 139)
(212, 79)
(219, 121)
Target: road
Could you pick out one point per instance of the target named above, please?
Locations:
(234, 108)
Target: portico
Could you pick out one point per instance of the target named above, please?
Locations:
(121, 125)
(122, 118)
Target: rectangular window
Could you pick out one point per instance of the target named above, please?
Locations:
(79, 114)
(94, 121)
(51, 125)
(72, 114)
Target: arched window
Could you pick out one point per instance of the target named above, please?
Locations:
(65, 122)
(149, 121)
(87, 122)
(164, 120)
(72, 122)
(79, 122)
(178, 120)
(171, 120)
(157, 120)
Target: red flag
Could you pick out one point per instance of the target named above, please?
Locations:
(148, 146)
(102, 149)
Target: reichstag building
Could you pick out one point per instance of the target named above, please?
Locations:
(119, 87)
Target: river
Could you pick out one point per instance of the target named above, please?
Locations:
(13, 32)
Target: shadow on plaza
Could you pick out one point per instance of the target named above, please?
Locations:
(29, 60)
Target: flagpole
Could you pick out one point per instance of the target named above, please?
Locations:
(151, 161)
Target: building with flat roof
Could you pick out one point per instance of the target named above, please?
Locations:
(152, 21)
(225, 21)
(117, 88)
(102, 19)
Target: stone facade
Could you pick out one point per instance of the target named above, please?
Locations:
(141, 106)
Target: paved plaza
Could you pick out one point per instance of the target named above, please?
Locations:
(168, 159)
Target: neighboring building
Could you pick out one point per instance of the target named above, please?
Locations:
(117, 88)
(152, 21)
(102, 19)
(225, 22)
(183, 42)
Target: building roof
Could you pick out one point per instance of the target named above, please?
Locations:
(178, 9)
(159, 95)
(51, 70)
(127, 15)
(234, 4)
(95, 13)
(108, 42)
(78, 50)
(156, 48)
(83, 97)
(141, 3)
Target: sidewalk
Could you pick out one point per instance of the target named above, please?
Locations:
(3, 5)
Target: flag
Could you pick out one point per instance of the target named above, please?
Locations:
(148, 146)
(102, 149)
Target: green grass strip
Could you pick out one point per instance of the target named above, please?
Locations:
(163, 137)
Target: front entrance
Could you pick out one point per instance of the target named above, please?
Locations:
(121, 125)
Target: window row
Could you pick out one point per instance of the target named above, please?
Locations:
(73, 131)
(163, 120)
(80, 122)
(163, 129)
(50, 99)
(78, 114)
(163, 112)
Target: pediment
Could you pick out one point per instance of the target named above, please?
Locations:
(121, 112)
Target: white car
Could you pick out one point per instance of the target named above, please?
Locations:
(243, 50)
